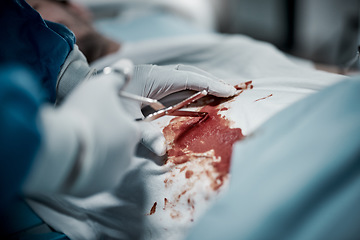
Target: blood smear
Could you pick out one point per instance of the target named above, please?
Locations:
(263, 98)
(200, 152)
(245, 85)
(196, 136)
(189, 173)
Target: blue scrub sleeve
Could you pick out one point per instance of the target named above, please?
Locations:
(298, 176)
(28, 39)
(20, 98)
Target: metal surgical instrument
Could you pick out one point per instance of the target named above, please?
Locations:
(126, 68)
(174, 110)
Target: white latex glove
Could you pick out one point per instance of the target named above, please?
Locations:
(88, 141)
(159, 81)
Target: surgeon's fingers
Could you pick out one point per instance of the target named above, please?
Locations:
(153, 139)
(113, 80)
(151, 136)
(125, 68)
(217, 88)
(197, 70)
(198, 79)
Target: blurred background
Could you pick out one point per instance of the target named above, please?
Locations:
(324, 31)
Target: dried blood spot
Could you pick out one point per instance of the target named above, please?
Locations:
(166, 202)
(263, 98)
(245, 85)
(189, 173)
(153, 209)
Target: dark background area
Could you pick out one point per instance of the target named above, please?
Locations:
(325, 31)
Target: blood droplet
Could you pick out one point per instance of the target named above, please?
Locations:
(166, 202)
(153, 209)
(189, 173)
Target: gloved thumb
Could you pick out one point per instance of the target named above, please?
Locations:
(126, 68)
(151, 136)
(153, 139)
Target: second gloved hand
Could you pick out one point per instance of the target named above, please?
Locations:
(156, 82)
(88, 141)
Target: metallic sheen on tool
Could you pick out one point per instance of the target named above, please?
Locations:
(126, 68)
(175, 109)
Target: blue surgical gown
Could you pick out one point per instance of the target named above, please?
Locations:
(27, 39)
(20, 98)
(32, 52)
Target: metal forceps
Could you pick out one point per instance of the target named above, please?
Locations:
(173, 110)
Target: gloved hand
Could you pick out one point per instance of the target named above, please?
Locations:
(156, 82)
(159, 81)
(88, 140)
